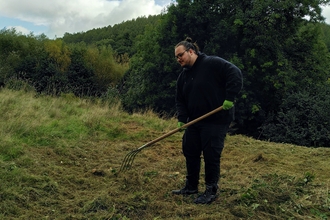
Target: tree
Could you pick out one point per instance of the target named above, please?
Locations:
(150, 81)
(326, 34)
(14, 49)
(263, 38)
(303, 119)
(120, 37)
(102, 61)
(81, 78)
(59, 53)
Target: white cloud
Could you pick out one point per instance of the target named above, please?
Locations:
(72, 16)
(20, 29)
(326, 14)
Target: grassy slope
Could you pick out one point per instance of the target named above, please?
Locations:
(59, 159)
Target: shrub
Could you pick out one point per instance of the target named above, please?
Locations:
(303, 119)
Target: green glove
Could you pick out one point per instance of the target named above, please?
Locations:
(227, 105)
(180, 124)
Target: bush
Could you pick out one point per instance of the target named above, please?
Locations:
(303, 119)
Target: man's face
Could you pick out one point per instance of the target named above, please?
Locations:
(182, 55)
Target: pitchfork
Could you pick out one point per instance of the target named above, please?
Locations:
(129, 158)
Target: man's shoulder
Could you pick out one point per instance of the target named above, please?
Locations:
(213, 60)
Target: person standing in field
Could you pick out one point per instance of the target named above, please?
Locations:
(206, 83)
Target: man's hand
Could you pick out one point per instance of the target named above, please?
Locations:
(180, 124)
(227, 105)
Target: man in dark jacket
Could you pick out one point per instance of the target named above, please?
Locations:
(205, 83)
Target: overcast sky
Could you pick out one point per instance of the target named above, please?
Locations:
(56, 17)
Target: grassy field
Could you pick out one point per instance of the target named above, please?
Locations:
(60, 159)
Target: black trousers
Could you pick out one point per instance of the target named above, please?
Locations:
(208, 139)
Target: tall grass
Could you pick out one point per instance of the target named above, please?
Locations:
(59, 159)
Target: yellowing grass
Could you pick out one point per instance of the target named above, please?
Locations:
(60, 157)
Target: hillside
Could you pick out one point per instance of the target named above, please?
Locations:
(60, 159)
(120, 37)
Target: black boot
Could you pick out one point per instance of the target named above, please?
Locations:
(186, 190)
(208, 196)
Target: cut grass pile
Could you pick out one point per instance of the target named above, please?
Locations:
(60, 159)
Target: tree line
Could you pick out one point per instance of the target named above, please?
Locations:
(53, 67)
(282, 48)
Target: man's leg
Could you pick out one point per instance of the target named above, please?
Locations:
(213, 144)
(191, 147)
(213, 137)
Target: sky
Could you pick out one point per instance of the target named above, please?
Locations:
(56, 17)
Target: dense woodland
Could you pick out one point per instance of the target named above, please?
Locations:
(282, 48)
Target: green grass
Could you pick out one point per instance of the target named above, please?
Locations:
(60, 157)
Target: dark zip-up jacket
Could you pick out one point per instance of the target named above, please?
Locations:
(204, 87)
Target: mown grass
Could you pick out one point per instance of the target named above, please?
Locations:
(60, 159)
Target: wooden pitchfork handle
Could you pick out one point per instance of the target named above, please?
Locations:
(129, 158)
(182, 127)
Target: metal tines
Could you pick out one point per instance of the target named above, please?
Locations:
(129, 158)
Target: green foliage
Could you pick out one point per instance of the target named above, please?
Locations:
(281, 48)
(112, 96)
(120, 37)
(54, 67)
(14, 49)
(150, 82)
(277, 49)
(326, 34)
(102, 61)
(303, 119)
(280, 51)
(18, 84)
